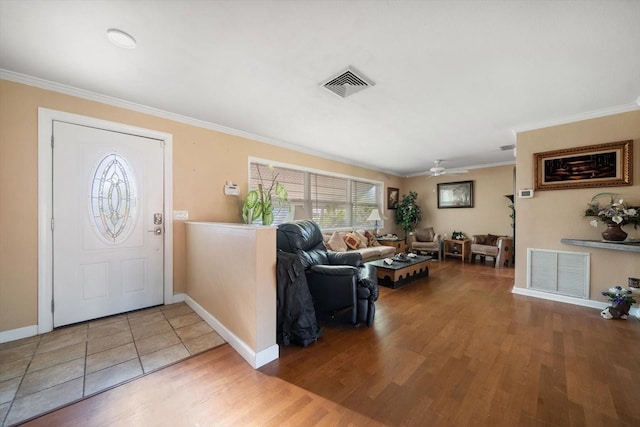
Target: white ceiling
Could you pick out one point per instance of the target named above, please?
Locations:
(453, 79)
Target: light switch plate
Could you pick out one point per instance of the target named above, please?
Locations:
(181, 215)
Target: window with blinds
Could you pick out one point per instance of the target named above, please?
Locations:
(331, 201)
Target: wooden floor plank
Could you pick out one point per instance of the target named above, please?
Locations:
(454, 349)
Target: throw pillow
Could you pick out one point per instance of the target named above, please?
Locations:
(336, 243)
(425, 235)
(351, 240)
(371, 239)
(491, 240)
(363, 239)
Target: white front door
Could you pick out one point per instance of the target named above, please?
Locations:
(108, 224)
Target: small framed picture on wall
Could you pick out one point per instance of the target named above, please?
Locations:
(393, 194)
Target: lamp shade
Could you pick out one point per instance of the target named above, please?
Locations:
(297, 212)
(375, 215)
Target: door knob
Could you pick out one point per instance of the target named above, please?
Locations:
(157, 231)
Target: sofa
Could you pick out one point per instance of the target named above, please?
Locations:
(489, 245)
(359, 241)
(425, 240)
(344, 289)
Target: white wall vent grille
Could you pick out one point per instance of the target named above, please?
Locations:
(558, 272)
(348, 82)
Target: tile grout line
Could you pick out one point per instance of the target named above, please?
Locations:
(24, 375)
(86, 356)
(135, 344)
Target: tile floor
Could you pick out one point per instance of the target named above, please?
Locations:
(44, 372)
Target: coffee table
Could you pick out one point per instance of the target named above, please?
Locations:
(400, 273)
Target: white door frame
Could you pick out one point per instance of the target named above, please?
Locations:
(45, 203)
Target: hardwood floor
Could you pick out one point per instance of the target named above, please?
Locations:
(455, 349)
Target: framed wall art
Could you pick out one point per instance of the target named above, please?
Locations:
(601, 165)
(455, 195)
(393, 196)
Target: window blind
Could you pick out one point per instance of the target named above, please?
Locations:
(331, 201)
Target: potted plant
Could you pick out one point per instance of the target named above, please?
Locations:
(259, 203)
(408, 213)
(614, 214)
(621, 301)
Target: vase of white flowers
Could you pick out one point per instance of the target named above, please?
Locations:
(614, 215)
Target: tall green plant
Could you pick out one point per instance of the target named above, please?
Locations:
(259, 203)
(408, 213)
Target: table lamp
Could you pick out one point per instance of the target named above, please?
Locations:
(375, 216)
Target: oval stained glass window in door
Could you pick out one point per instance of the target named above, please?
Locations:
(113, 198)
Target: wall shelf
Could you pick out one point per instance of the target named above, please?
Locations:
(622, 246)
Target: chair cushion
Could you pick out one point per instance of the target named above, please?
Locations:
(304, 238)
(491, 240)
(337, 243)
(425, 235)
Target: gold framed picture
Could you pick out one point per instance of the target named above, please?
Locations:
(601, 165)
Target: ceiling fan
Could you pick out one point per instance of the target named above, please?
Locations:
(438, 170)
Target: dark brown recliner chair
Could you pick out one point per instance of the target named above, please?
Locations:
(343, 288)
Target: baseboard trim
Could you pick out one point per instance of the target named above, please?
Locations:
(600, 305)
(178, 298)
(255, 359)
(18, 334)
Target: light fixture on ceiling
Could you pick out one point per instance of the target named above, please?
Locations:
(120, 38)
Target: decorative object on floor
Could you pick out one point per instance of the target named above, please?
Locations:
(602, 165)
(621, 301)
(458, 235)
(375, 216)
(614, 214)
(259, 203)
(408, 213)
(455, 195)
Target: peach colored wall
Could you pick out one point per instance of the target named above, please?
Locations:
(203, 160)
(551, 215)
(250, 284)
(490, 212)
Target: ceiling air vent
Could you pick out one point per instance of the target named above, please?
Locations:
(347, 83)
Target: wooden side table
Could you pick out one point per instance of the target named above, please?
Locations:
(396, 243)
(457, 248)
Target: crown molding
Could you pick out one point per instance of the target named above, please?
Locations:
(579, 117)
(116, 102)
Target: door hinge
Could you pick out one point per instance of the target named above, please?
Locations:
(51, 224)
(51, 141)
(52, 305)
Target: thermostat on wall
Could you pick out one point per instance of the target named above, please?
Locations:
(231, 189)
(526, 193)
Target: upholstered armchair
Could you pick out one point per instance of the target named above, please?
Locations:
(425, 240)
(342, 286)
(489, 245)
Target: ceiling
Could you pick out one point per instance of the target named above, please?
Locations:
(453, 80)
